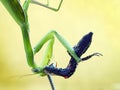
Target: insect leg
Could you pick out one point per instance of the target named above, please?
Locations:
(47, 6)
(90, 56)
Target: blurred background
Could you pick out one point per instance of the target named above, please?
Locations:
(74, 19)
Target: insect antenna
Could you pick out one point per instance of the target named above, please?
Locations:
(21, 76)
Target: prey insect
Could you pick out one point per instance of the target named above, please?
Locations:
(79, 49)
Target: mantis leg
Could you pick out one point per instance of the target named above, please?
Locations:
(48, 53)
(26, 5)
(47, 56)
(67, 46)
(47, 6)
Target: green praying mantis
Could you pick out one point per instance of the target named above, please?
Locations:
(19, 14)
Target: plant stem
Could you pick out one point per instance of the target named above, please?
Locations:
(51, 82)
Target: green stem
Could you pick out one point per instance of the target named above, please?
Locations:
(27, 46)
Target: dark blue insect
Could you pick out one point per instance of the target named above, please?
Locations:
(80, 49)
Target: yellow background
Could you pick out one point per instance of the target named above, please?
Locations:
(75, 19)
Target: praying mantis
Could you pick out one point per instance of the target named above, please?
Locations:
(19, 14)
